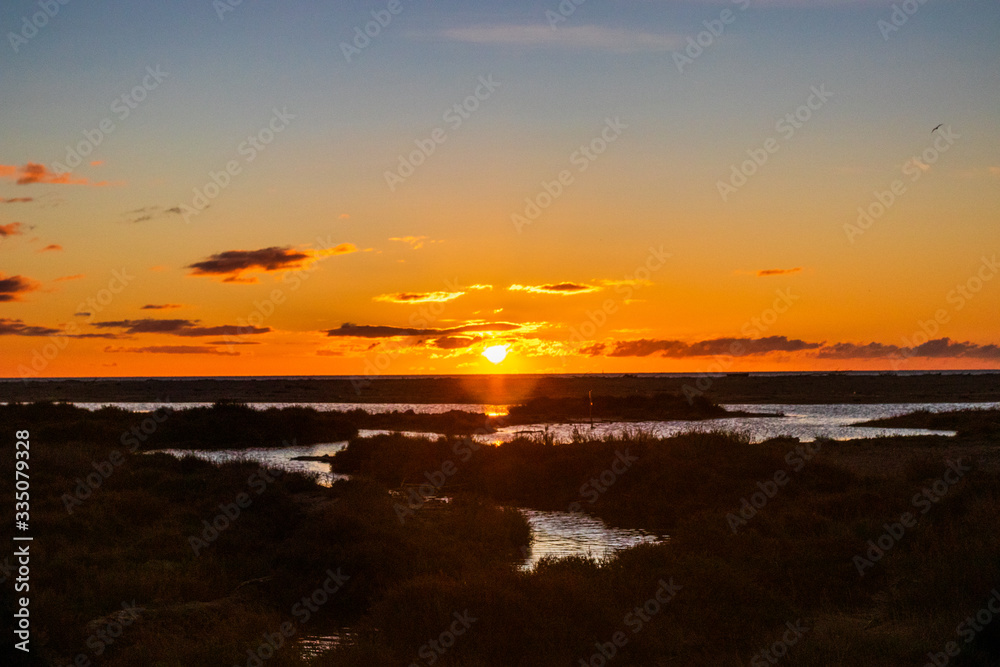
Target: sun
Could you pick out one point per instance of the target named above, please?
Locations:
(496, 353)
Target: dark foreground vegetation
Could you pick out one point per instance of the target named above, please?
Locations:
(967, 423)
(763, 538)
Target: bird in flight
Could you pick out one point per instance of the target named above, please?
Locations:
(939, 126)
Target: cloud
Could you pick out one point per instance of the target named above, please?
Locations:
(161, 306)
(11, 287)
(852, 351)
(12, 229)
(232, 263)
(9, 327)
(586, 37)
(33, 173)
(151, 212)
(555, 288)
(368, 331)
(16, 200)
(456, 342)
(330, 353)
(419, 297)
(174, 349)
(593, 350)
(738, 347)
(763, 273)
(415, 242)
(51, 246)
(75, 276)
(179, 327)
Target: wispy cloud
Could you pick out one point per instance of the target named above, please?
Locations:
(51, 247)
(232, 264)
(161, 306)
(10, 327)
(564, 289)
(179, 327)
(377, 331)
(415, 242)
(12, 287)
(11, 229)
(174, 349)
(763, 273)
(16, 200)
(584, 37)
(151, 213)
(419, 297)
(33, 173)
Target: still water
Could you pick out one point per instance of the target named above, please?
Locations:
(563, 534)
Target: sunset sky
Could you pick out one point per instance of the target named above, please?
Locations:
(262, 188)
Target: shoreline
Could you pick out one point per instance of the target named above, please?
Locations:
(931, 387)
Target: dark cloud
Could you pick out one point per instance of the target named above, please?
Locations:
(174, 349)
(232, 263)
(555, 288)
(455, 342)
(11, 287)
(9, 327)
(186, 328)
(852, 351)
(369, 331)
(594, 350)
(945, 347)
(160, 306)
(763, 273)
(737, 347)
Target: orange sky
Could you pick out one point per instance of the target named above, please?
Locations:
(578, 194)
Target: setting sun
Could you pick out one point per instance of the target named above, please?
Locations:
(496, 353)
